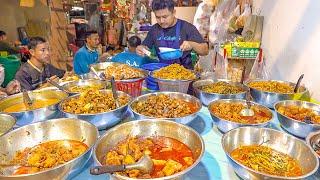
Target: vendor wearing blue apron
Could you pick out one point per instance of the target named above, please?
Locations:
(174, 33)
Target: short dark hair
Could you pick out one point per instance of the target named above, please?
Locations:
(89, 33)
(134, 41)
(162, 4)
(2, 33)
(34, 41)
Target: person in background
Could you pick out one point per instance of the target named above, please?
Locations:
(35, 72)
(5, 46)
(130, 56)
(174, 33)
(88, 54)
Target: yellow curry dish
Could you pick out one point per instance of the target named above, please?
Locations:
(79, 89)
(299, 113)
(222, 88)
(231, 111)
(272, 86)
(47, 155)
(93, 101)
(36, 104)
(169, 156)
(174, 72)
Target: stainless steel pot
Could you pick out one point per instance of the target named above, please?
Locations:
(56, 129)
(147, 128)
(277, 140)
(36, 115)
(185, 97)
(206, 97)
(101, 120)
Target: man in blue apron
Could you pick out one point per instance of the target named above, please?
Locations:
(173, 33)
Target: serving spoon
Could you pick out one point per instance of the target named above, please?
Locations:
(96, 73)
(26, 99)
(145, 164)
(57, 85)
(296, 88)
(114, 92)
(247, 111)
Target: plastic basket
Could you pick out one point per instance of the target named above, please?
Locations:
(174, 86)
(132, 87)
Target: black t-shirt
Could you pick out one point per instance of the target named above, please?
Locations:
(188, 32)
(30, 78)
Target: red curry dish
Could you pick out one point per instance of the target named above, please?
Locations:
(169, 155)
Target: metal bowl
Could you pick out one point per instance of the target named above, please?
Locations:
(185, 97)
(173, 85)
(83, 83)
(225, 125)
(36, 115)
(101, 120)
(295, 127)
(147, 128)
(269, 98)
(100, 67)
(313, 140)
(6, 123)
(274, 139)
(57, 129)
(206, 97)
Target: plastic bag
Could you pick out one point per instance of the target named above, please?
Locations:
(221, 66)
(219, 21)
(244, 16)
(205, 65)
(259, 68)
(202, 18)
(232, 21)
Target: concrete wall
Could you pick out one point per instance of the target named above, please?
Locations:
(291, 39)
(185, 13)
(13, 16)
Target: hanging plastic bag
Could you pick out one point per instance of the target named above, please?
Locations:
(202, 18)
(219, 21)
(240, 22)
(259, 68)
(232, 21)
(205, 65)
(221, 66)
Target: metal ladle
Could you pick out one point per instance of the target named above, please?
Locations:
(247, 111)
(57, 85)
(96, 73)
(145, 164)
(26, 98)
(114, 92)
(296, 88)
